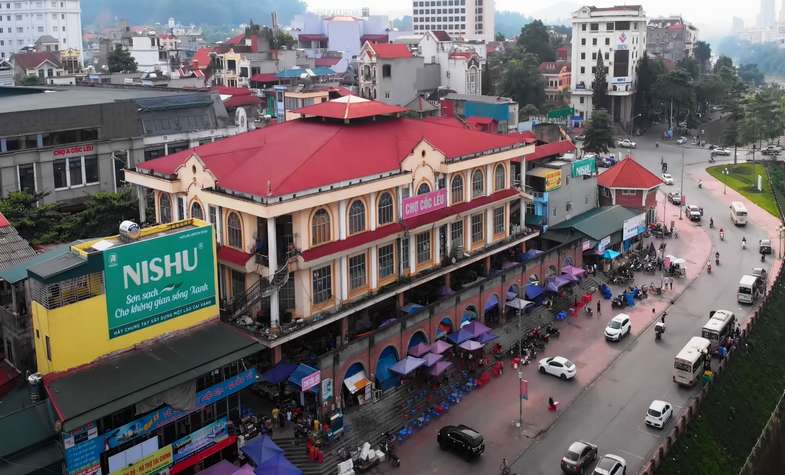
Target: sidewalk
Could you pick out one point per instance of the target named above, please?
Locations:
(494, 409)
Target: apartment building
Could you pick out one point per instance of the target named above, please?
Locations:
(671, 38)
(22, 22)
(471, 19)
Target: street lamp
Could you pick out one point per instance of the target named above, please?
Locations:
(523, 393)
(725, 181)
(781, 232)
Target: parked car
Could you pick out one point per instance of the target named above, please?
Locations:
(579, 455)
(667, 178)
(558, 366)
(695, 213)
(764, 246)
(618, 327)
(626, 143)
(721, 152)
(658, 413)
(682, 140)
(461, 439)
(606, 161)
(611, 465)
(675, 197)
(771, 150)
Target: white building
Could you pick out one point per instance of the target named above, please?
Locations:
(619, 35)
(148, 53)
(22, 22)
(460, 62)
(472, 19)
(318, 34)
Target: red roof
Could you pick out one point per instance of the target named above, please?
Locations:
(271, 77)
(202, 57)
(232, 91)
(441, 35)
(349, 107)
(326, 62)
(33, 60)
(550, 150)
(320, 153)
(351, 242)
(525, 137)
(4, 223)
(389, 50)
(479, 121)
(311, 37)
(677, 27)
(239, 40)
(382, 38)
(233, 256)
(238, 101)
(552, 67)
(629, 174)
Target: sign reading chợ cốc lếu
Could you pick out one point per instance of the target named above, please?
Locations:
(151, 281)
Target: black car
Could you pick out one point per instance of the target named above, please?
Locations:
(461, 439)
(578, 457)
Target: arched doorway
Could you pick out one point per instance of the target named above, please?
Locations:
(469, 314)
(355, 382)
(385, 379)
(417, 338)
(491, 310)
(445, 327)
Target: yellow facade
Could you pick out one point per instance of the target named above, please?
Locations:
(77, 334)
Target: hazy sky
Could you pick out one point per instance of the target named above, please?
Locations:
(711, 16)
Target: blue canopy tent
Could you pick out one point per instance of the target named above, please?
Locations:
(277, 465)
(460, 336)
(493, 301)
(610, 254)
(279, 373)
(416, 339)
(531, 254)
(535, 293)
(385, 379)
(260, 449)
(296, 378)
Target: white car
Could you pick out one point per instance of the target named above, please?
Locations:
(626, 143)
(682, 140)
(558, 366)
(667, 178)
(611, 465)
(658, 414)
(618, 327)
(724, 152)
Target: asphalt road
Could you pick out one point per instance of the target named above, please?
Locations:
(611, 410)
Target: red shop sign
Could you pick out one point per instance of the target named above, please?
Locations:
(75, 150)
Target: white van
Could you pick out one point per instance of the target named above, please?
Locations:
(748, 289)
(738, 213)
(720, 324)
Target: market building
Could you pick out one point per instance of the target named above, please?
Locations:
(370, 218)
(630, 184)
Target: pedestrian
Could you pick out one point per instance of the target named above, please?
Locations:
(662, 317)
(289, 414)
(670, 282)
(276, 414)
(281, 419)
(599, 310)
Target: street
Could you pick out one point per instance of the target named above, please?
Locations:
(616, 382)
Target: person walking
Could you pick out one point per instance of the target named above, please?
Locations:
(662, 317)
(276, 415)
(505, 467)
(599, 308)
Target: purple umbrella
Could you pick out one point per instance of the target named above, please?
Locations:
(440, 346)
(573, 271)
(485, 338)
(476, 328)
(460, 336)
(432, 358)
(419, 349)
(407, 365)
(556, 283)
(440, 367)
(471, 345)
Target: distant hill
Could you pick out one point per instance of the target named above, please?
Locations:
(510, 23)
(198, 12)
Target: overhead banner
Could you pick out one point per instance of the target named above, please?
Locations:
(585, 167)
(603, 244)
(154, 280)
(425, 203)
(150, 464)
(207, 436)
(634, 226)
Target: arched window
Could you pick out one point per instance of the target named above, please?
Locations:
(423, 189)
(356, 217)
(320, 227)
(234, 230)
(196, 211)
(165, 207)
(499, 178)
(456, 189)
(385, 209)
(478, 184)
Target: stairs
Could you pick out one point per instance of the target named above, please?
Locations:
(239, 304)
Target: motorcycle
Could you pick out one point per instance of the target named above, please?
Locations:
(722, 236)
(743, 244)
(711, 223)
(708, 268)
(552, 331)
(659, 329)
(387, 447)
(618, 302)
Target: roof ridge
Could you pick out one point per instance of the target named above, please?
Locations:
(338, 130)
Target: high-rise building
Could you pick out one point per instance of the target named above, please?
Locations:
(472, 19)
(766, 16)
(618, 34)
(24, 22)
(781, 19)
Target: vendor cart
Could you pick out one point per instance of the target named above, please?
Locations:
(336, 426)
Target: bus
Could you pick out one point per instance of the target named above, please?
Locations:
(720, 324)
(748, 289)
(688, 364)
(738, 213)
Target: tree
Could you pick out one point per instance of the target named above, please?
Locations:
(522, 81)
(702, 55)
(121, 61)
(599, 86)
(499, 36)
(35, 221)
(690, 66)
(751, 75)
(598, 135)
(723, 62)
(31, 80)
(676, 91)
(648, 72)
(283, 39)
(529, 111)
(103, 212)
(535, 39)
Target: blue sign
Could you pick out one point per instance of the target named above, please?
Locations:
(85, 458)
(207, 436)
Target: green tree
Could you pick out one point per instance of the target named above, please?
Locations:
(676, 91)
(535, 39)
(702, 55)
(121, 61)
(103, 213)
(690, 66)
(499, 36)
(751, 75)
(599, 137)
(648, 72)
(35, 221)
(522, 81)
(31, 80)
(528, 111)
(599, 86)
(722, 62)
(731, 137)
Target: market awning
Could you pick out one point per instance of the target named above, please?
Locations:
(112, 384)
(356, 382)
(407, 365)
(279, 373)
(299, 373)
(519, 303)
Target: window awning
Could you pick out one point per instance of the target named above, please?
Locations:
(356, 382)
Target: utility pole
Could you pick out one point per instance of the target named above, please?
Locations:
(681, 205)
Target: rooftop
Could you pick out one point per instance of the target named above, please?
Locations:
(57, 97)
(599, 222)
(629, 174)
(550, 150)
(389, 50)
(14, 249)
(33, 60)
(484, 99)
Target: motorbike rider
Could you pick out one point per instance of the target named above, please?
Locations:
(744, 242)
(722, 234)
(700, 183)
(708, 267)
(717, 257)
(505, 467)
(711, 222)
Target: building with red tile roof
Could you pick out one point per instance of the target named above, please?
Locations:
(630, 184)
(389, 51)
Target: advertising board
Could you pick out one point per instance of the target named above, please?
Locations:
(425, 203)
(634, 226)
(205, 437)
(154, 280)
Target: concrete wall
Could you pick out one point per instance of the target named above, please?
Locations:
(428, 77)
(580, 193)
(399, 88)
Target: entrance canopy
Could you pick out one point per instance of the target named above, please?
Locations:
(356, 382)
(531, 254)
(260, 449)
(298, 374)
(279, 373)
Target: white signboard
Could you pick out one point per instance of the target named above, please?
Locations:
(634, 226)
(603, 244)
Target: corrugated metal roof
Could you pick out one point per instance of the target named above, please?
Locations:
(18, 272)
(598, 223)
(13, 248)
(184, 101)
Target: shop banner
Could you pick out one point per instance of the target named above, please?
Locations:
(634, 226)
(524, 390)
(327, 389)
(552, 180)
(166, 414)
(421, 204)
(587, 166)
(207, 436)
(603, 244)
(586, 245)
(311, 380)
(150, 464)
(83, 449)
(77, 150)
(152, 281)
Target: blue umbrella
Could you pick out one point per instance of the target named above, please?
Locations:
(610, 254)
(277, 465)
(260, 449)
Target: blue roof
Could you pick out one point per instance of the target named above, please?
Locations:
(298, 374)
(18, 273)
(294, 73)
(323, 71)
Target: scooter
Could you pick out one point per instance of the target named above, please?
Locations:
(659, 329)
(711, 223)
(387, 448)
(722, 236)
(708, 268)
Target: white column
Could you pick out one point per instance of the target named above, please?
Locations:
(437, 255)
(142, 204)
(342, 219)
(467, 233)
(374, 268)
(372, 211)
(488, 180)
(272, 257)
(523, 213)
(412, 253)
(344, 265)
(449, 237)
(489, 226)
